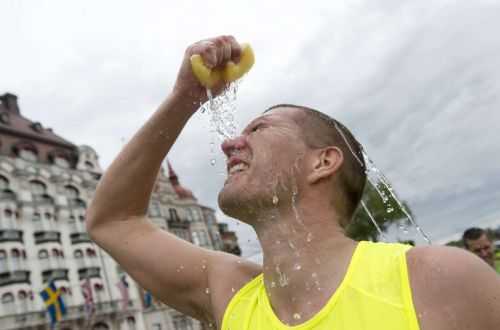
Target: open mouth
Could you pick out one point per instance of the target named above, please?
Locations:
(237, 168)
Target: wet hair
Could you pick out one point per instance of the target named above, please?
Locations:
(472, 234)
(320, 131)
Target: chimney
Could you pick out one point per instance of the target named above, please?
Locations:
(9, 101)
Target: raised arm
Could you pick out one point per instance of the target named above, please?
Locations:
(175, 271)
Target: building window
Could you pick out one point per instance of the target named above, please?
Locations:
(38, 187)
(7, 298)
(196, 239)
(182, 323)
(173, 214)
(4, 183)
(3, 254)
(43, 254)
(29, 155)
(78, 254)
(8, 213)
(71, 192)
(91, 253)
(36, 217)
(8, 303)
(61, 162)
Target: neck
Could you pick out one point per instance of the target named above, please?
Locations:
(306, 255)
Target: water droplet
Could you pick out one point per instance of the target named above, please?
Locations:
(203, 266)
(207, 290)
(275, 200)
(309, 237)
(233, 290)
(297, 316)
(297, 267)
(213, 161)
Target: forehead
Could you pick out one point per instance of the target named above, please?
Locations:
(282, 114)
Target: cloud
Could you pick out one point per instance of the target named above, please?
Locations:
(416, 82)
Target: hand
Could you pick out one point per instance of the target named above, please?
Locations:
(215, 52)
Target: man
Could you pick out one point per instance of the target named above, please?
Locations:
(476, 240)
(296, 176)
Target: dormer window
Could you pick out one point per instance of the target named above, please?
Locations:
(27, 154)
(37, 127)
(61, 162)
(4, 118)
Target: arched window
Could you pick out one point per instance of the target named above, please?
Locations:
(4, 183)
(36, 217)
(7, 298)
(100, 326)
(3, 254)
(55, 253)
(15, 253)
(47, 215)
(22, 295)
(90, 253)
(38, 187)
(43, 254)
(71, 191)
(61, 162)
(89, 165)
(8, 213)
(78, 254)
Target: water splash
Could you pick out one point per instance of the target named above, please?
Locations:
(380, 232)
(222, 109)
(372, 170)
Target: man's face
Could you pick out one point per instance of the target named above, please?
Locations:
(483, 248)
(263, 162)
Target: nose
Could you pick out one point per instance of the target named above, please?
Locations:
(231, 145)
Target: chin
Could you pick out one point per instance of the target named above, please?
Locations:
(237, 203)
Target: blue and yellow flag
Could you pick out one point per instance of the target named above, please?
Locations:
(53, 301)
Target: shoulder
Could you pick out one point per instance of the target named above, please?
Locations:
(455, 285)
(228, 274)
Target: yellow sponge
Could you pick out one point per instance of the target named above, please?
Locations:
(231, 72)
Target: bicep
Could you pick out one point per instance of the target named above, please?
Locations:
(173, 270)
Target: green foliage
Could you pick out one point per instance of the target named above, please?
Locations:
(384, 213)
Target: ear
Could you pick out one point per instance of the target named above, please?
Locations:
(325, 163)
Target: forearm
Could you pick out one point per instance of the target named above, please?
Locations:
(125, 188)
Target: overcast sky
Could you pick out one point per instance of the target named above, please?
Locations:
(418, 82)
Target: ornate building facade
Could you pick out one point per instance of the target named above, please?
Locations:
(46, 184)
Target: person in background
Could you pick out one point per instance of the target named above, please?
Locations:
(476, 240)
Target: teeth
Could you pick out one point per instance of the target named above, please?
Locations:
(238, 168)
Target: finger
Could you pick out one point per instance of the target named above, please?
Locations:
(208, 52)
(220, 45)
(235, 48)
(226, 50)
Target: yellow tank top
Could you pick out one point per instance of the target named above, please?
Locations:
(375, 294)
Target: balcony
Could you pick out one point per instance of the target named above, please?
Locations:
(11, 235)
(89, 273)
(47, 236)
(52, 263)
(80, 238)
(54, 275)
(9, 223)
(20, 276)
(12, 265)
(87, 263)
(7, 195)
